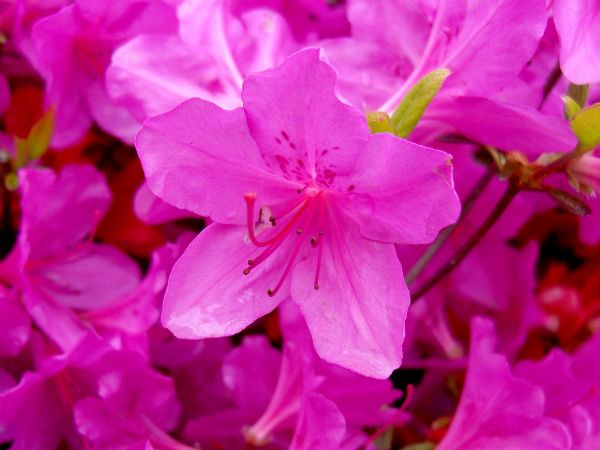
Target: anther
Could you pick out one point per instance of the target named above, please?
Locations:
(272, 221)
(317, 287)
(298, 230)
(246, 270)
(314, 241)
(270, 292)
(250, 262)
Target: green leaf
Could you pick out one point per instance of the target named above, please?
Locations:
(40, 135)
(571, 107)
(586, 126)
(379, 122)
(21, 148)
(412, 107)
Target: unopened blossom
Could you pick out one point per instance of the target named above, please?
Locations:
(306, 202)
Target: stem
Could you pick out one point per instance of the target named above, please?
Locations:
(496, 213)
(433, 249)
(557, 165)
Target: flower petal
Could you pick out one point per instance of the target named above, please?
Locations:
(59, 211)
(577, 23)
(404, 192)
(297, 121)
(209, 296)
(357, 316)
(201, 158)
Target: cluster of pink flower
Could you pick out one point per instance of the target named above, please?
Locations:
(206, 207)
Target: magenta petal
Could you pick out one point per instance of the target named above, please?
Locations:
(404, 192)
(59, 211)
(201, 158)
(105, 428)
(152, 210)
(498, 410)
(249, 382)
(508, 126)
(152, 74)
(32, 414)
(79, 280)
(496, 39)
(208, 295)
(58, 322)
(577, 23)
(357, 316)
(321, 425)
(293, 114)
(14, 323)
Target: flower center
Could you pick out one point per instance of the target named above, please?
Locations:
(302, 216)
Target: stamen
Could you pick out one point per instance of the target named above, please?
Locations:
(253, 263)
(316, 243)
(250, 198)
(318, 270)
(288, 267)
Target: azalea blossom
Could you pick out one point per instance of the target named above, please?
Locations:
(305, 203)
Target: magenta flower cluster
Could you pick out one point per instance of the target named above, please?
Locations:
(294, 224)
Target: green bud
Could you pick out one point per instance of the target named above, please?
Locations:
(379, 122)
(586, 126)
(412, 107)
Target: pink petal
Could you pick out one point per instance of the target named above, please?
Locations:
(498, 409)
(79, 280)
(14, 323)
(297, 121)
(59, 211)
(209, 296)
(495, 41)
(252, 383)
(201, 158)
(401, 192)
(321, 426)
(357, 316)
(152, 74)
(152, 210)
(508, 126)
(577, 23)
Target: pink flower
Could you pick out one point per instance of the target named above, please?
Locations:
(54, 265)
(37, 413)
(497, 409)
(324, 202)
(73, 48)
(292, 400)
(478, 42)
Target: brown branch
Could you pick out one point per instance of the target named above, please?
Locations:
(496, 213)
(433, 249)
